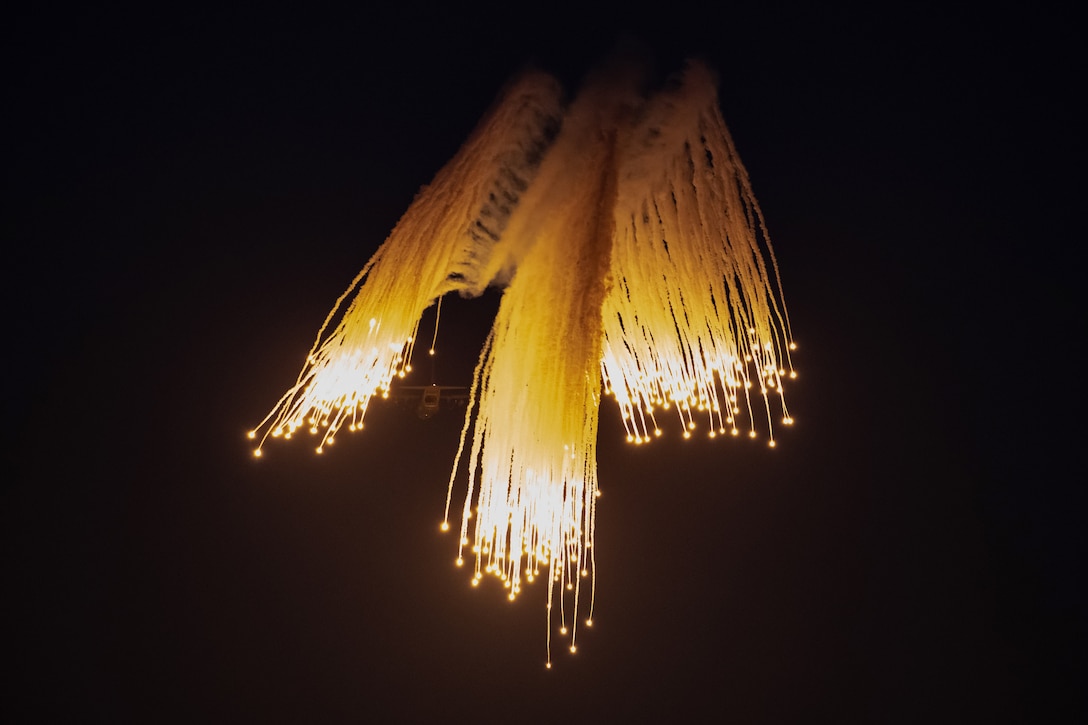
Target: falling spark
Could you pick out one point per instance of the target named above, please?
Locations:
(636, 264)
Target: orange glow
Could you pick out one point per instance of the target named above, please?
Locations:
(636, 265)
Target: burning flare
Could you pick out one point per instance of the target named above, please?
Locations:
(692, 321)
(632, 251)
(437, 246)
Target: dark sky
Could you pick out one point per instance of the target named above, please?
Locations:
(188, 194)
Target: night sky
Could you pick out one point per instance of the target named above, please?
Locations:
(187, 193)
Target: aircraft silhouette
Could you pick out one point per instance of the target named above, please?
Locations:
(431, 397)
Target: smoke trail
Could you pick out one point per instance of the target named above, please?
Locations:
(693, 320)
(439, 245)
(526, 123)
(532, 464)
(639, 253)
(637, 262)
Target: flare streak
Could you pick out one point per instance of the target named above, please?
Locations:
(636, 263)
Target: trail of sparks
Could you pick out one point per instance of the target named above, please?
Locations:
(636, 263)
(532, 471)
(438, 246)
(692, 323)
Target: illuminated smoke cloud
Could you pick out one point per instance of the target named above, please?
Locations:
(632, 251)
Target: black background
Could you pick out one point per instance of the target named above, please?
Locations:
(188, 192)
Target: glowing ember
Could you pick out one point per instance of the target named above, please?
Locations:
(632, 249)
